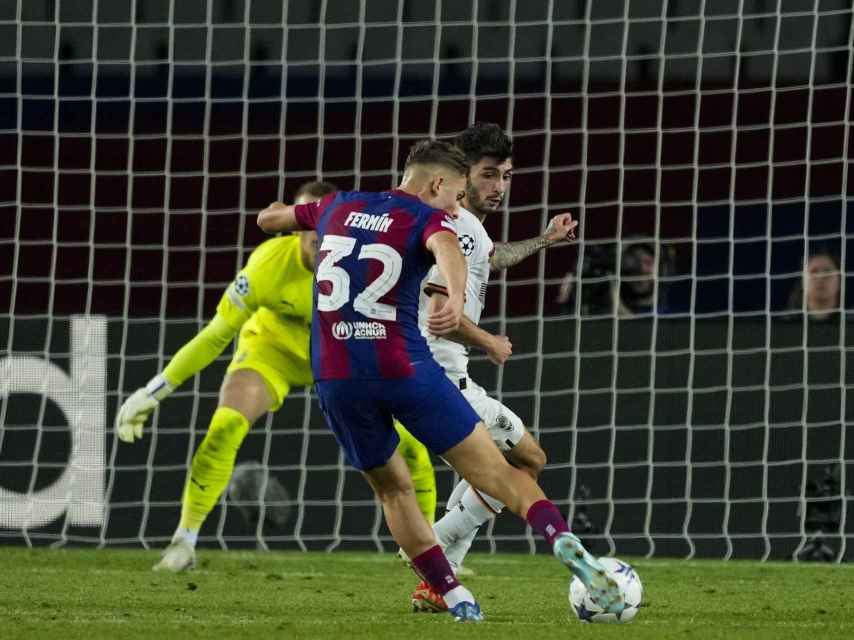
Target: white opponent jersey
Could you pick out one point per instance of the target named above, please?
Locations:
(477, 248)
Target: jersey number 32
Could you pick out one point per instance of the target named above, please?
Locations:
(366, 303)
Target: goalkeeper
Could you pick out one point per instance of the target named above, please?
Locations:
(270, 305)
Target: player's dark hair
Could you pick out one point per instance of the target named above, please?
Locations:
(484, 140)
(438, 152)
(316, 189)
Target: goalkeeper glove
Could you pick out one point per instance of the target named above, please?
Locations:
(136, 409)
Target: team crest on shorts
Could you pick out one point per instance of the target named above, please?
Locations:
(503, 422)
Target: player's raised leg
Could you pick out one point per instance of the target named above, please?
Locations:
(468, 509)
(431, 399)
(477, 460)
(244, 397)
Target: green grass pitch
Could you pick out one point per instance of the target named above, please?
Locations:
(90, 594)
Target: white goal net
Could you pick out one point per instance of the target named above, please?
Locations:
(684, 364)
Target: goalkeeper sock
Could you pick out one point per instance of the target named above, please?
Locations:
(417, 458)
(212, 466)
(546, 520)
(462, 520)
(424, 481)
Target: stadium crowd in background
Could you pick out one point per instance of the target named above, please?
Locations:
(625, 288)
(818, 291)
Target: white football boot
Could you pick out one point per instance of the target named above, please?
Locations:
(180, 555)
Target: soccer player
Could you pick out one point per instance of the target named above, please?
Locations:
(269, 304)
(371, 363)
(489, 152)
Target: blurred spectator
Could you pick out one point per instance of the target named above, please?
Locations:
(633, 293)
(817, 293)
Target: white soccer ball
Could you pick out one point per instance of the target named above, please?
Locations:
(630, 585)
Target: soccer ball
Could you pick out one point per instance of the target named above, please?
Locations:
(627, 580)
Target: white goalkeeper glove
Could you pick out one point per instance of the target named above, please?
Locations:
(136, 409)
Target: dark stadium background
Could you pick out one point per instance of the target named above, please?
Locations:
(163, 262)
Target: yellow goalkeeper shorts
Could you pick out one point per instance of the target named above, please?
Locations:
(259, 350)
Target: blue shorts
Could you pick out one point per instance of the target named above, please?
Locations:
(362, 412)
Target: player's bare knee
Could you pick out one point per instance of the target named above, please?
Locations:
(391, 491)
(391, 481)
(534, 462)
(245, 391)
(532, 472)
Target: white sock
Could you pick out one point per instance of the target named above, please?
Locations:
(458, 595)
(471, 497)
(457, 494)
(454, 525)
(456, 551)
(190, 536)
(462, 520)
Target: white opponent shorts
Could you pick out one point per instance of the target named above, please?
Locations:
(504, 426)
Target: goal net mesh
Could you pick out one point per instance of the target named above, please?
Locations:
(687, 403)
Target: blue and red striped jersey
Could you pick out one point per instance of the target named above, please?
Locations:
(371, 261)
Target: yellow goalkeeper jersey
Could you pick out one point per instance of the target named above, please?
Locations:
(274, 293)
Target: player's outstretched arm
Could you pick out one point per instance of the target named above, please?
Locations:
(452, 266)
(194, 356)
(278, 217)
(506, 254)
(497, 348)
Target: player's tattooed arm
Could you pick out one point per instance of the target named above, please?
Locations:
(506, 254)
(278, 217)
